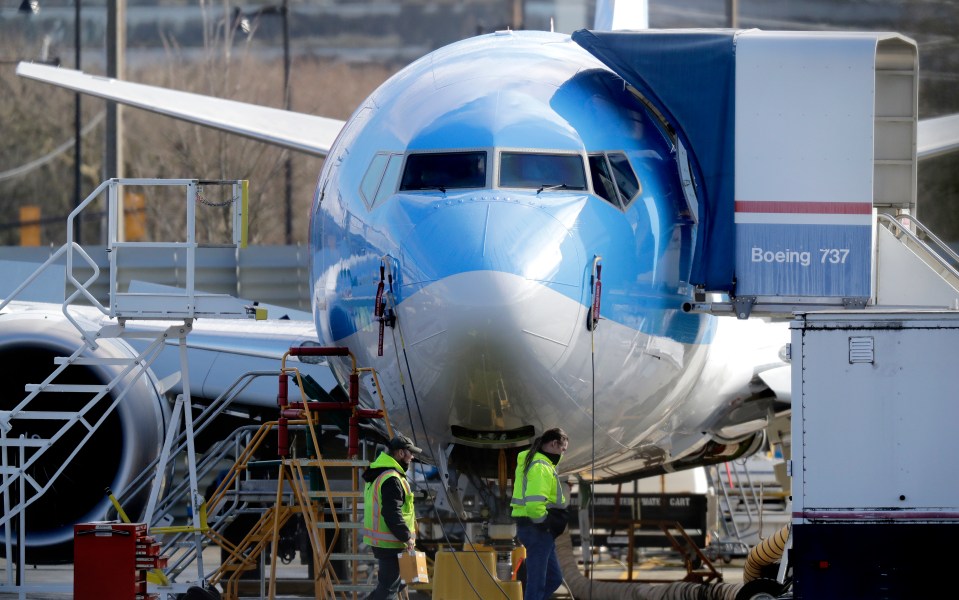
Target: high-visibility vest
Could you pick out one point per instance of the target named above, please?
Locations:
(536, 488)
(376, 533)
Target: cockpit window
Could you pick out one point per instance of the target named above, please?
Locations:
(541, 171)
(602, 179)
(371, 180)
(614, 179)
(444, 171)
(626, 181)
(379, 182)
(388, 185)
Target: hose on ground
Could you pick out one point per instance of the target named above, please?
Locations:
(767, 552)
(582, 588)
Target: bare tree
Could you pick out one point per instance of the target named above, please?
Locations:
(36, 152)
(37, 118)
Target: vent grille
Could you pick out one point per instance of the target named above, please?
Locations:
(862, 350)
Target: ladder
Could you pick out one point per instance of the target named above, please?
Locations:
(298, 491)
(698, 567)
(71, 428)
(751, 505)
(322, 511)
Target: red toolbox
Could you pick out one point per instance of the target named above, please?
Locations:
(110, 560)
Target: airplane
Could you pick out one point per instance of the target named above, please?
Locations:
(504, 232)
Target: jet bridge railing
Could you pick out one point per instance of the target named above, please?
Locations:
(923, 242)
(902, 225)
(186, 303)
(913, 268)
(180, 304)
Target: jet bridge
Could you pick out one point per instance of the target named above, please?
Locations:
(801, 149)
(805, 180)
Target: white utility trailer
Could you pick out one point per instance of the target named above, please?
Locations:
(875, 464)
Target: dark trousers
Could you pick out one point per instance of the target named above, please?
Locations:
(388, 579)
(543, 573)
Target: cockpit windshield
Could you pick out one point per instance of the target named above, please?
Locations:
(444, 170)
(542, 171)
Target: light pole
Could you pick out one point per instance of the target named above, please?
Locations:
(241, 20)
(732, 14)
(77, 126)
(33, 6)
(116, 63)
(287, 97)
(116, 41)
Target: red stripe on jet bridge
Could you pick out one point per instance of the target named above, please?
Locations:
(823, 208)
(877, 515)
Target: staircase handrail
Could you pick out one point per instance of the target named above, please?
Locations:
(203, 420)
(68, 248)
(142, 362)
(894, 223)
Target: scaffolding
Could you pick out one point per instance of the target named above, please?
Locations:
(19, 453)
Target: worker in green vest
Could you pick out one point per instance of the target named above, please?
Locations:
(388, 519)
(539, 508)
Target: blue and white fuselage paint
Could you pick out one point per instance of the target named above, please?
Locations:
(493, 273)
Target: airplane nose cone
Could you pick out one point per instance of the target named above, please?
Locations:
(499, 297)
(504, 236)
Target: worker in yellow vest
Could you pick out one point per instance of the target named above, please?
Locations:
(388, 519)
(539, 508)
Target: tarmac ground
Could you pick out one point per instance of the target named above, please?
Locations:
(55, 582)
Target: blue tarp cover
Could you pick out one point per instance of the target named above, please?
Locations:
(690, 77)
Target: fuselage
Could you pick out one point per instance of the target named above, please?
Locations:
(489, 185)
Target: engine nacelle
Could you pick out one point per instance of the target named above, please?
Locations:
(713, 452)
(130, 437)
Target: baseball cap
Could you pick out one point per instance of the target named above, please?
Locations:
(401, 442)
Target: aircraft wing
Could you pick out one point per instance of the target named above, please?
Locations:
(937, 136)
(309, 133)
(296, 131)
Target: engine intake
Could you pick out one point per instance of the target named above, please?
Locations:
(127, 440)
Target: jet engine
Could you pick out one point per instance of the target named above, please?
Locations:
(129, 438)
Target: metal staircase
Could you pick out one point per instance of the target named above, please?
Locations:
(295, 486)
(294, 482)
(103, 399)
(751, 504)
(330, 508)
(913, 266)
(72, 428)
